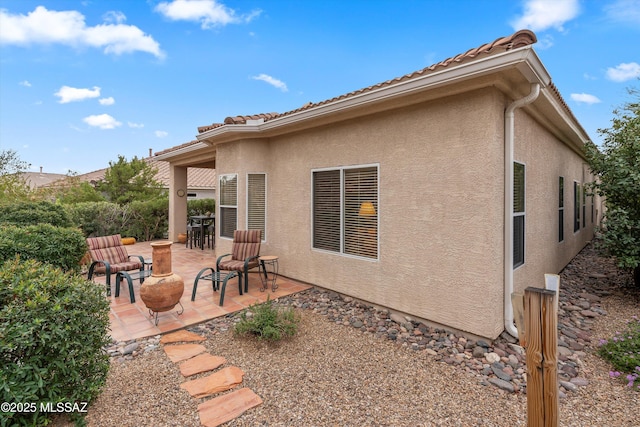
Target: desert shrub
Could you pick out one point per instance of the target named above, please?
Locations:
(100, 218)
(200, 206)
(267, 321)
(59, 246)
(29, 213)
(623, 352)
(150, 219)
(53, 328)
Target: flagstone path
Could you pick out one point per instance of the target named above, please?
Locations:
(194, 359)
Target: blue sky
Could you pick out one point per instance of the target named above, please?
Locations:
(82, 82)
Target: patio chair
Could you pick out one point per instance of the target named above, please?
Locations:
(244, 255)
(109, 256)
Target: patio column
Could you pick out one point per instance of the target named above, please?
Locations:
(177, 201)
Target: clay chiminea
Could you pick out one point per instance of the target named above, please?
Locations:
(163, 290)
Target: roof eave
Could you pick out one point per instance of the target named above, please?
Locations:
(524, 59)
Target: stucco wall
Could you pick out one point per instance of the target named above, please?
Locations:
(546, 159)
(440, 207)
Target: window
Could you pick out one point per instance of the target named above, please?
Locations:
(518, 214)
(584, 206)
(345, 211)
(257, 202)
(228, 205)
(576, 206)
(561, 209)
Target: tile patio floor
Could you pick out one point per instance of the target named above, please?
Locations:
(130, 321)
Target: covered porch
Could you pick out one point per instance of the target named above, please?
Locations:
(130, 321)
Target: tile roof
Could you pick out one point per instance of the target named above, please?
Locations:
(519, 39)
(197, 178)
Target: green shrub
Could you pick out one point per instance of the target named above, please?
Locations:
(61, 247)
(53, 328)
(267, 321)
(200, 206)
(100, 218)
(150, 219)
(29, 213)
(623, 352)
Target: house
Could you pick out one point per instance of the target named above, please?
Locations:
(436, 194)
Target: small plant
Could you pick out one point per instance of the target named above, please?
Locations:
(623, 351)
(267, 321)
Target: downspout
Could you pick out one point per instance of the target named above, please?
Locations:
(509, 121)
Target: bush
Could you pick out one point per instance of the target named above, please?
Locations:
(53, 328)
(58, 246)
(150, 219)
(100, 218)
(200, 206)
(623, 352)
(267, 322)
(30, 213)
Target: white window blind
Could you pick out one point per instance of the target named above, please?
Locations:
(257, 202)
(518, 214)
(345, 211)
(228, 205)
(361, 212)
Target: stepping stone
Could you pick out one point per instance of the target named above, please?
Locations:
(223, 380)
(201, 363)
(181, 336)
(227, 407)
(178, 353)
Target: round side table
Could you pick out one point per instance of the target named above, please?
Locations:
(268, 272)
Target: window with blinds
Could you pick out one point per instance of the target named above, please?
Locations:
(257, 202)
(576, 206)
(228, 191)
(518, 213)
(561, 209)
(345, 211)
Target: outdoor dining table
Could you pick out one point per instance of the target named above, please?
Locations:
(203, 221)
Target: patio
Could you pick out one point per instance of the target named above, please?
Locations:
(130, 321)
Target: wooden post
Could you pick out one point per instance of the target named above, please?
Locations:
(541, 326)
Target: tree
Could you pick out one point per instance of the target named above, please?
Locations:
(13, 187)
(617, 167)
(72, 190)
(126, 181)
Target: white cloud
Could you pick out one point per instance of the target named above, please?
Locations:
(25, 83)
(135, 125)
(585, 98)
(107, 101)
(540, 15)
(272, 81)
(114, 17)
(625, 11)
(102, 121)
(210, 13)
(624, 72)
(161, 134)
(68, 28)
(70, 94)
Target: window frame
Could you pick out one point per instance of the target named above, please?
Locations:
(576, 206)
(519, 214)
(342, 172)
(560, 209)
(249, 204)
(225, 206)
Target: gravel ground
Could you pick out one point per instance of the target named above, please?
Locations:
(335, 375)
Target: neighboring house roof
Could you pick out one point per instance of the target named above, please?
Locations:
(518, 40)
(41, 179)
(197, 178)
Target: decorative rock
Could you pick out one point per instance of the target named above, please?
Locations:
(478, 352)
(130, 348)
(178, 353)
(504, 385)
(568, 385)
(492, 357)
(580, 382)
